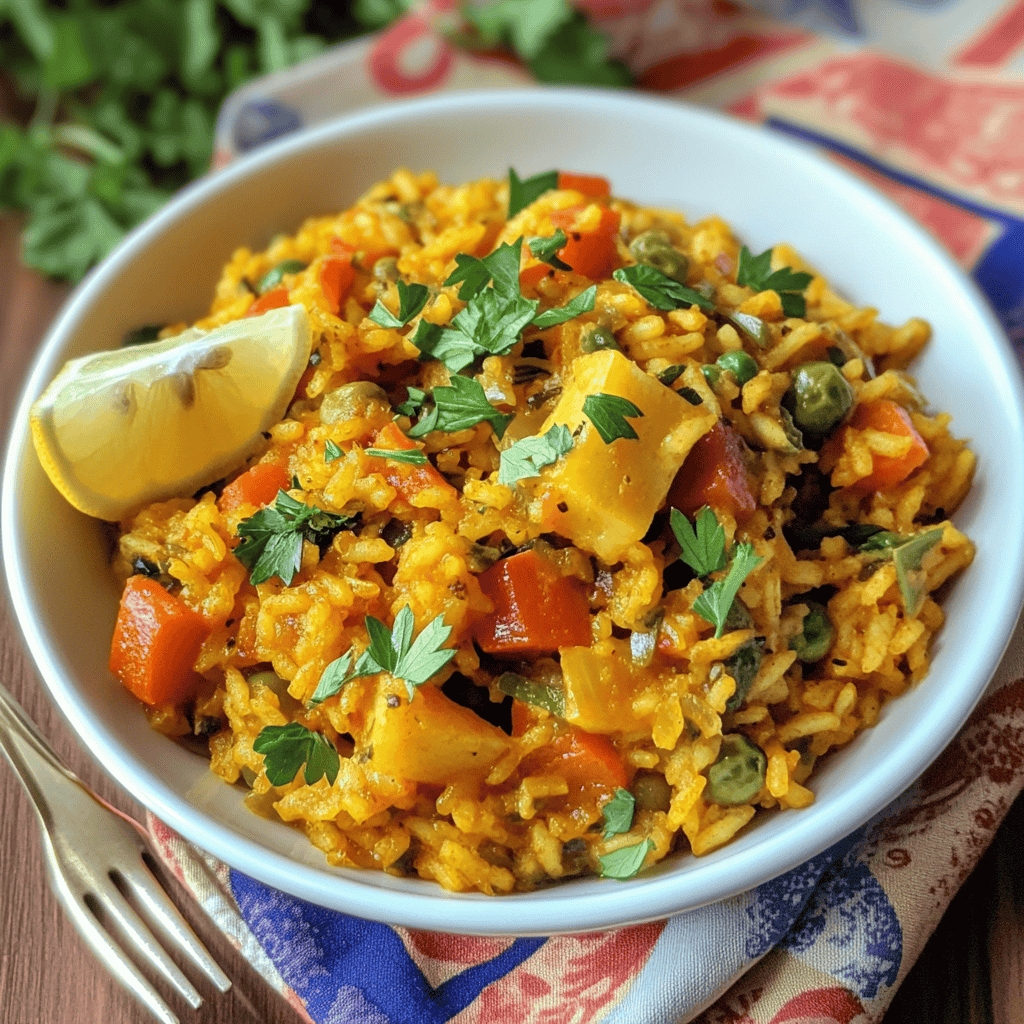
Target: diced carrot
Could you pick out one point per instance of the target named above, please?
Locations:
(407, 479)
(536, 608)
(271, 300)
(156, 642)
(336, 277)
(588, 762)
(591, 253)
(887, 416)
(589, 184)
(257, 486)
(530, 277)
(714, 474)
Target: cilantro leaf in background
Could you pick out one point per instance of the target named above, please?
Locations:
(462, 405)
(411, 300)
(618, 813)
(608, 414)
(626, 861)
(286, 748)
(703, 549)
(272, 538)
(528, 456)
(756, 272)
(660, 290)
(413, 456)
(546, 249)
(714, 604)
(582, 303)
(523, 192)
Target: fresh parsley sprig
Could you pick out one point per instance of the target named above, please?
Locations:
(393, 651)
(412, 456)
(756, 272)
(582, 303)
(459, 406)
(546, 249)
(521, 193)
(660, 290)
(286, 748)
(714, 604)
(411, 300)
(626, 861)
(608, 414)
(529, 455)
(272, 537)
(618, 813)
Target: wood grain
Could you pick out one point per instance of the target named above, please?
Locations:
(971, 972)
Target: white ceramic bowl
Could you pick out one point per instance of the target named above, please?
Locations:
(655, 152)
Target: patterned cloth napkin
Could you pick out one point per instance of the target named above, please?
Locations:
(925, 98)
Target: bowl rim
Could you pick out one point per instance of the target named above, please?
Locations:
(554, 910)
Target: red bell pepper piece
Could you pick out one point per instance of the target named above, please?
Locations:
(257, 486)
(591, 253)
(592, 185)
(714, 474)
(271, 300)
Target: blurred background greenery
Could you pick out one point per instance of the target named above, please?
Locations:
(107, 108)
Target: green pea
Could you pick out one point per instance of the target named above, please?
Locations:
(651, 791)
(819, 397)
(739, 364)
(814, 640)
(738, 774)
(712, 373)
(655, 249)
(272, 278)
(597, 339)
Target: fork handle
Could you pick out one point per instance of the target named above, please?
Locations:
(37, 765)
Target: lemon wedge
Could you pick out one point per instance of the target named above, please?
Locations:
(116, 430)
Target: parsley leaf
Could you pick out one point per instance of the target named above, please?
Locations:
(411, 300)
(756, 272)
(413, 455)
(523, 192)
(608, 414)
(500, 266)
(462, 405)
(393, 651)
(714, 604)
(413, 403)
(332, 452)
(272, 538)
(582, 303)
(528, 456)
(703, 549)
(618, 813)
(626, 861)
(286, 748)
(660, 290)
(546, 249)
(671, 374)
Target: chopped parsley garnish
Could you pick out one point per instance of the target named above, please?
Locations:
(618, 813)
(411, 300)
(413, 403)
(413, 456)
(528, 456)
(703, 549)
(671, 374)
(286, 748)
(626, 861)
(660, 290)
(906, 554)
(332, 452)
(608, 414)
(272, 537)
(756, 272)
(714, 604)
(393, 651)
(546, 249)
(462, 405)
(523, 192)
(583, 303)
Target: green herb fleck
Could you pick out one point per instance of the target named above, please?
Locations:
(546, 249)
(551, 698)
(272, 538)
(714, 604)
(413, 403)
(528, 456)
(756, 272)
(626, 861)
(286, 748)
(608, 414)
(411, 300)
(413, 456)
(660, 290)
(618, 813)
(582, 303)
(460, 406)
(332, 452)
(703, 548)
(523, 192)
(671, 374)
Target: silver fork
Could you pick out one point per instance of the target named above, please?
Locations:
(94, 858)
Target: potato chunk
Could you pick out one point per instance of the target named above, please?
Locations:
(433, 739)
(604, 496)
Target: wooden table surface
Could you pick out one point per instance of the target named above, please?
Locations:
(971, 972)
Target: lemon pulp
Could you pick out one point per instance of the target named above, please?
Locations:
(116, 430)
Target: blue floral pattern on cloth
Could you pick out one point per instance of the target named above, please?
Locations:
(334, 962)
